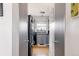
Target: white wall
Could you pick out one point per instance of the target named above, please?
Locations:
(51, 38)
(51, 33)
(15, 29)
(6, 31)
(36, 8)
(72, 34)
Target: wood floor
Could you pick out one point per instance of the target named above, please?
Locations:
(40, 50)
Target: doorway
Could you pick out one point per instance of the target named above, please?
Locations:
(38, 35)
(34, 34)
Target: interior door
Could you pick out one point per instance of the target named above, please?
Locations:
(30, 35)
(23, 30)
(59, 29)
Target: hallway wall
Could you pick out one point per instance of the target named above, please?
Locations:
(72, 34)
(15, 29)
(36, 8)
(6, 30)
